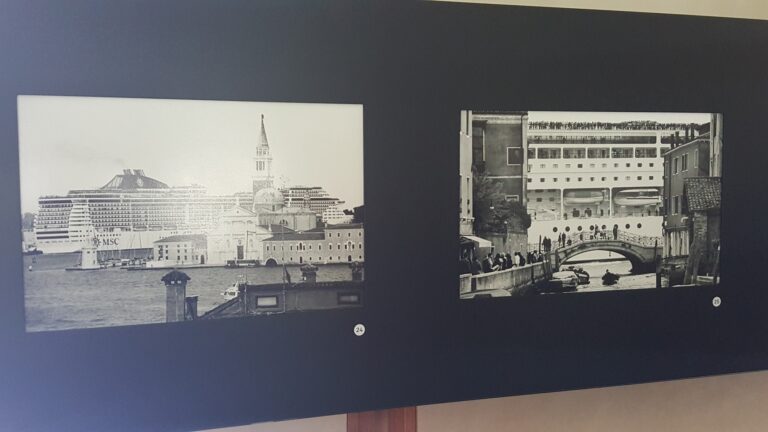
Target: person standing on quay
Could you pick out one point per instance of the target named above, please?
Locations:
(615, 232)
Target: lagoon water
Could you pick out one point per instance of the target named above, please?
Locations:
(56, 299)
(622, 268)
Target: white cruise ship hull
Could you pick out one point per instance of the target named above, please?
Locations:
(109, 241)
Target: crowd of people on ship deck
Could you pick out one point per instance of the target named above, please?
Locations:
(632, 125)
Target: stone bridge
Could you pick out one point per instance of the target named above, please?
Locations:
(642, 251)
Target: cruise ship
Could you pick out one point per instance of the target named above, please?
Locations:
(587, 175)
(129, 212)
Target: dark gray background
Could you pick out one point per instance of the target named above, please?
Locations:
(413, 66)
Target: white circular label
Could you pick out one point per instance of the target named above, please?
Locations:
(716, 301)
(359, 330)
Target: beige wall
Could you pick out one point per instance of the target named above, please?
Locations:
(757, 9)
(733, 403)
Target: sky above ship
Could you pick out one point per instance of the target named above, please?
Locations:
(71, 143)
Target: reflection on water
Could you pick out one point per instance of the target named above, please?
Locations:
(56, 299)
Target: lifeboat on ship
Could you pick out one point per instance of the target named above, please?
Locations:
(583, 197)
(637, 197)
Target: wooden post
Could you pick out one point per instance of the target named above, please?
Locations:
(391, 420)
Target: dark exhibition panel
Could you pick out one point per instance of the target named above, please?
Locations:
(413, 67)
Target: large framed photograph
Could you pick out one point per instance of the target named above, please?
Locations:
(141, 211)
(570, 202)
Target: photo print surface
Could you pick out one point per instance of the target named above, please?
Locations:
(569, 202)
(143, 211)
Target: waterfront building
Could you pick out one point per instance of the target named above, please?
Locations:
(334, 215)
(314, 198)
(341, 243)
(682, 162)
(584, 176)
(499, 141)
(499, 144)
(466, 219)
(702, 204)
(179, 250)
(238, 237)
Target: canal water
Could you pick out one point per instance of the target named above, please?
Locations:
(56, 299)
(596, 269)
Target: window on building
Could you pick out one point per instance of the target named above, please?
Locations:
(567, 165)
(580, 166)
(514, 155)
(554, 166)
(639, 177)
(531, 153)
(579, 179)
(554, 180)
(615, 179)
(530, 180)
(650, 177)
(674, 166)
(591, 179)
(539, 199)
(627, 178)
(695, 158)
(266, 301)
(567, 179)
(684, 162)
(676, 204)
(348, 298)
(541, 180)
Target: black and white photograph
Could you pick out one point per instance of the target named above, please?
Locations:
(569, 202)
(140, 211)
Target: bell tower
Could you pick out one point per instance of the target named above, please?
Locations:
(262, 175)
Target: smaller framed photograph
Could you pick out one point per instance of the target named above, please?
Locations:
(574, 202)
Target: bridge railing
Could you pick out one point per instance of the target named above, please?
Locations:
(625, 236)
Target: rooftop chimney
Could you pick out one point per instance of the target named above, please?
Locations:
(175, 295)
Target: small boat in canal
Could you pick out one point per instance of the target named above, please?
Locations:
(610, 278)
